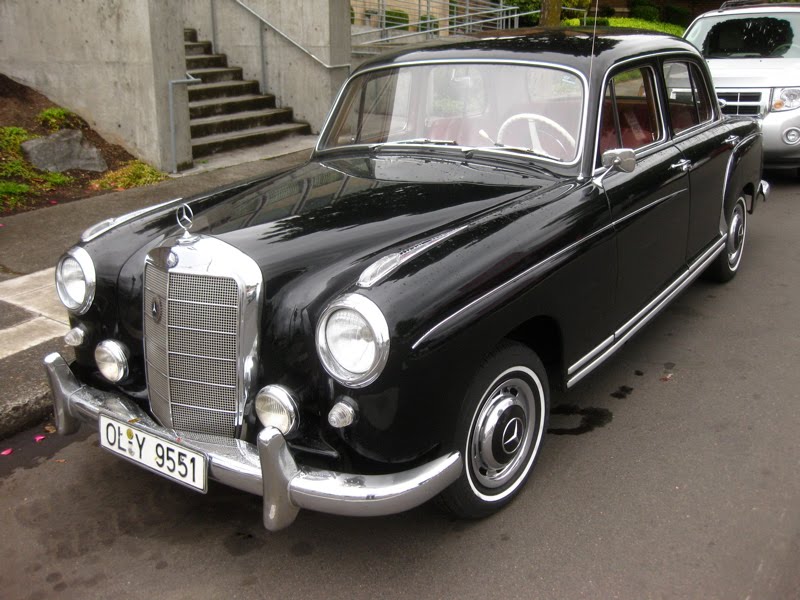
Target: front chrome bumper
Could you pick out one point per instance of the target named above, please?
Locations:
(266, 468)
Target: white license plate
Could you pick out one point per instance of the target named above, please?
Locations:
(155, 453)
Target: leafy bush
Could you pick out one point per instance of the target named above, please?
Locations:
(606, 11)
(56, 118)
(16, 168)
(52, 180)
(10, 139)
(676, 15)
(397, 18)
(646, 13)
(624, 23)
(132, 174)
(590, 21)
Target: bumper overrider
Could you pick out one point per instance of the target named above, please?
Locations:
(266, 468)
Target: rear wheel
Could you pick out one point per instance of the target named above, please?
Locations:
(726, 265)
(500, 431)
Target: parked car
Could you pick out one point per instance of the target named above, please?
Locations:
(479, 222)
(753, 51)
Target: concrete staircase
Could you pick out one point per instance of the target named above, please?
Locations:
(226, 112)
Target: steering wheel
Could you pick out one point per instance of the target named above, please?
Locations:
(556, 132)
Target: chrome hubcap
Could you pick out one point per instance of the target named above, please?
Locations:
(502, 433)
(736, 235)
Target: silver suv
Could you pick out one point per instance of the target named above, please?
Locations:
(753, 50)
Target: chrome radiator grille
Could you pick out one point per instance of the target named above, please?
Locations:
(191, 328)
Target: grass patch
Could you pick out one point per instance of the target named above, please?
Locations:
(132, 174)
(57, 118)
(18, 178)
(625, 23)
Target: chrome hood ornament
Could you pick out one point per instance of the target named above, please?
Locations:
(185, 218)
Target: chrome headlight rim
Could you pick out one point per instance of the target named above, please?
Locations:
(84, 260)
(374, 318)
(118, 355)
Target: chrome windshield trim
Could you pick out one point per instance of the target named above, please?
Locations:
(388, 264)
(597, 356)
(511, 281)
(480, 61)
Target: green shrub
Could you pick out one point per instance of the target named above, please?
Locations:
(10, 139)
(590, 21)
(676, 15)
(56, 118)
(16, 168)
(132, 174)
(56, 179)
(397, 18)
(646, 13)
(606, 11)
(668, 28)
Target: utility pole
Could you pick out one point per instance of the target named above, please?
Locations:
(551, 13)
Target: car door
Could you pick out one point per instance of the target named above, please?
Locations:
(650, 206)
(705, 142)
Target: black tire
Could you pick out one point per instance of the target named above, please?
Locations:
(726, 265)
(499, 431)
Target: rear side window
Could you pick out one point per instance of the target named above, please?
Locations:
(630, 116)
(688, 96)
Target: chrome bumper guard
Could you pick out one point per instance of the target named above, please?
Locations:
(266, 468)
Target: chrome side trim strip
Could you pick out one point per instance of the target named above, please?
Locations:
(651, 205)
(602, 346)
(644, 316)
(514, 279)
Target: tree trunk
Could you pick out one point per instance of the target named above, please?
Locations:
(551, 13)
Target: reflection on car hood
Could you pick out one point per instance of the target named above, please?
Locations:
(755, 72)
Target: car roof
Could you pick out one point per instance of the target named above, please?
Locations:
(568, 47)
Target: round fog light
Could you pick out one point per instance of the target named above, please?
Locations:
(276, 408)
(791, 135)
(112, 360)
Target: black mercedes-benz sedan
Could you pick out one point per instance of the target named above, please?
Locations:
(479, 223)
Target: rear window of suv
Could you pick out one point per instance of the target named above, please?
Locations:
(751, 35)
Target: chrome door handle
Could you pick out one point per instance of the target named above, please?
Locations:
(732, 140)
(684, 165)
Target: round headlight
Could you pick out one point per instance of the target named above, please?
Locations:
(112, 360)
(786, 99)
(353, 340)
(275, 407)
(75, 280)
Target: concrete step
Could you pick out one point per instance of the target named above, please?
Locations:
(189, 35)
(260, 135)
(223, 89)
(195, 48)
(226, 106)
(206, 61)
(237, 122)
(216, 75)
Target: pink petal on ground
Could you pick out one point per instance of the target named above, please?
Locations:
(53, 201)
(6, 452)
(39, 438)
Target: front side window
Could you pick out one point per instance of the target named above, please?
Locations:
(629, 115)
(471, 105)
(687, 96)
(754, 35)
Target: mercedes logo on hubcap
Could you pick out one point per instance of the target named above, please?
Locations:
(512, 435)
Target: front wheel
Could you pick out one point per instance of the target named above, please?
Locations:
(726, 265)
(499, 431)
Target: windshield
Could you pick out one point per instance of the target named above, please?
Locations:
(754, 35)
(516, 107)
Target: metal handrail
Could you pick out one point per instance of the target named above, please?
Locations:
(498, 11)
(289, 39)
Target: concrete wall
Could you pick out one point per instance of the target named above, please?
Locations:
(320, 26)
(109, 61)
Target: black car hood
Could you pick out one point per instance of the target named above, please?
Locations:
(314, 229)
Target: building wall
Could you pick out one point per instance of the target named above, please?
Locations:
(109, 61)
(297, 80)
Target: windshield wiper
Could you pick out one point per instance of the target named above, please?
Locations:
(416, 141)
(497, 146)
